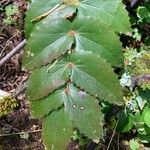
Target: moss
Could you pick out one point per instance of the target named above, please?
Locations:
(7, 104)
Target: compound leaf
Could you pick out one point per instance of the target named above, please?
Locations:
(71, 48)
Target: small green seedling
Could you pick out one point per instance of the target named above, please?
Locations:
(10, 11)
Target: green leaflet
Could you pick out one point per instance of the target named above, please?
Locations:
(71, 46)
(111, 12)
(47, 43)
(146, 116)
(96, 40)
(81, 107)
(49, 53)
(44, 106)
(57, 130)
(36, 8)
(47, 79)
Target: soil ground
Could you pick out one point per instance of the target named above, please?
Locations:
(11, 77)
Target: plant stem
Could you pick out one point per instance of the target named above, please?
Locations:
(19, 133)
(113, 134)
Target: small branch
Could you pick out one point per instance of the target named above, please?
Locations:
(19, 90)
(113, 134)
(12, 53)
(19, 133)
(118, 141)
(4, 124)
(133, 3)
(141, 78)
(3, 3)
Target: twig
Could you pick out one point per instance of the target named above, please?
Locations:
(141, 78)
(12, 53)
(6, 45)
(133, 3)
(5, 3)
(119, 145)
(113, 134)
(19, 90)
(118, 142)
(20, 133)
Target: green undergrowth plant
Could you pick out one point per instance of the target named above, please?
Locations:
(136, 86)
(143, 13)
(143, 21)
(72, 49)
